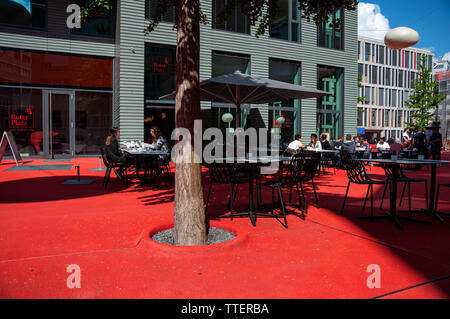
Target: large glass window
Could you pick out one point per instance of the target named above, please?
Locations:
(21, 113)
(286, 24)
(330, 108)
(101, 25)
(285, 114)
(160, 79)
(150, 8)
(24, 13)
(160, 69)
(360, 70)
(92, 121)
(330, 37)
(236, 22)
(225, 63)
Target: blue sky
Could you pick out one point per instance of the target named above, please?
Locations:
(429, 18)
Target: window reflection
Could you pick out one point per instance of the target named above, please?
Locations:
(25, 13)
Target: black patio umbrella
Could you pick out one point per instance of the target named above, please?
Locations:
(238, 88)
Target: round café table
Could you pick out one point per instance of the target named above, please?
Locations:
(395, 164)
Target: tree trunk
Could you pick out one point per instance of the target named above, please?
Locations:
(189, 219)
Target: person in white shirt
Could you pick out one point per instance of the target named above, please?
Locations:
(315, 143)
(382, 145)
(295, 145)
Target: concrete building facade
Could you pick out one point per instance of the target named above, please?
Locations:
(387, 78)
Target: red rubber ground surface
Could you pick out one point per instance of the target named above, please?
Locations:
(45, 226)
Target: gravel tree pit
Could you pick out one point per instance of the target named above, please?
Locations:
(215, 236)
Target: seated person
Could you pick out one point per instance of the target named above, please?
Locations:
(113, 152)
(337, 145)
(294, 146)
(382, 146)
(159, 143)
(397, 148)
(325, 143)
(315, 143)
(349, 146)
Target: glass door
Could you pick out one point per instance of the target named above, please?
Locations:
(59, 128)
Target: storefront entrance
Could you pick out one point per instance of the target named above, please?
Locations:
(58, 123)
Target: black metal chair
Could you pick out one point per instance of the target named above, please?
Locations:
(288, 180)
(311, 161)
(109, 167)
(328, 160)
(356, 173)
(402, 178)
(437, 194)
(224, 173)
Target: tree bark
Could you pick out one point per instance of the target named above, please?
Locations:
(189, 217)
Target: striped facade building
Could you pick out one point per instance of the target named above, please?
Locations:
(76, 83)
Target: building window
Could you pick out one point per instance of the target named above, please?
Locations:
(286, 25)
(236, 22)
(407, 54)
(374, 77)
(360, 70)
(388, 76)
(330, 108)
(329, 37)
(381, 54)
(24, 13)
(394, 57)
(92, 121)
(102, 25)
(366, 95)
(367, 52)
(150, 8)
(289, 110)
(160, 70)
(381, 97)
(400, 78)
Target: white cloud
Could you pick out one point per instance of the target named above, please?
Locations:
(446, 56)
(371, 23)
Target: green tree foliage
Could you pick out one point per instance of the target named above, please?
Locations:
(425, 98)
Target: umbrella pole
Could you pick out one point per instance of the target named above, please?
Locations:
(238, 115)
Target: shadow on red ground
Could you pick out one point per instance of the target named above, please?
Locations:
(45, 226)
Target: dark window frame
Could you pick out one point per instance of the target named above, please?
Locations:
(322, 27)
(225, 28)
(45, 28)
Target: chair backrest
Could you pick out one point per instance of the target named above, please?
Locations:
(104, 158)
(304, 166)
(221, 173)
(356, 171)
(390, 172)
